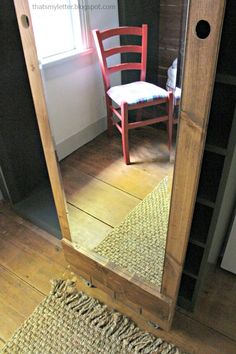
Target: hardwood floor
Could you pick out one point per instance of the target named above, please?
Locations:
(101, 190)
(216, 305)
(30, 258)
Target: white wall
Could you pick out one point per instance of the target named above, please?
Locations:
(75, 93)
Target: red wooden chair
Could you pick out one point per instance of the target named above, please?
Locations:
(135, 95)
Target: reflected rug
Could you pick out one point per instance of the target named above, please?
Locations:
(71, 322)
(138, 243)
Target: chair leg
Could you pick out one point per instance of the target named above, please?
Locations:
(109, 117)
(170, 121)
(125, 132)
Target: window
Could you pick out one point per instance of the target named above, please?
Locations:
(60, 29)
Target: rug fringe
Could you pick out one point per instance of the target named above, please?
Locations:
(109, 322)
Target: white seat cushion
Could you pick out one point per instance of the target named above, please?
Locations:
(136, 92)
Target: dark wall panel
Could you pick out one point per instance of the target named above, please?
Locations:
(227, 55)
(21, 155)
(136, 13)
(171, 35)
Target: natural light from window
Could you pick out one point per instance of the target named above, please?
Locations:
(57, 30)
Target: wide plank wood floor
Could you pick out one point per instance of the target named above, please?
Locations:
(30, 258)
(101, 190)
(216, 305)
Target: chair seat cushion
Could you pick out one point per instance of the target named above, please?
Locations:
(136, 92)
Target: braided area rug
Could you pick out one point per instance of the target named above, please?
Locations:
(138, 243)
(70, 322)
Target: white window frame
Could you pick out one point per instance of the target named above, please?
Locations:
(81, 30)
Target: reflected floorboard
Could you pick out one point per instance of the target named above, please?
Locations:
(101, 190)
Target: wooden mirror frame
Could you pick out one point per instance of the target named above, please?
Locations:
(200, 61)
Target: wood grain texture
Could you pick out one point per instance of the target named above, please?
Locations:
(13, 230)
(102, 201)
(155, 307)
(216, 304)
(200, 339)
(31, 59)
(18, 299)
(21, 253)
(100, 163)
(198, 79)
(86, 230)
(102, 159)
(15, 218)
(29, 265)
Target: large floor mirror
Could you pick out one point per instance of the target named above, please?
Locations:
(118, 213)
(116, 210)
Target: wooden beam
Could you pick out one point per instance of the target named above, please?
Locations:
(198, 80)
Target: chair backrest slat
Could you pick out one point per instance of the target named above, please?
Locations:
(124, 66)
(103, 54)
(119, 31)
(123, 49)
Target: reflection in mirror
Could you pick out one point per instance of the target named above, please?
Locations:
(117, 185)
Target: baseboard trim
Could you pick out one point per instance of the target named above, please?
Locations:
(75, 141)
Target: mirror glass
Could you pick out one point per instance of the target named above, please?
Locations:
(117, 211)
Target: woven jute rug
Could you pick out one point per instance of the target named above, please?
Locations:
(138, 243)
(68, 322)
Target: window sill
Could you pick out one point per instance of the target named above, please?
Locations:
(62, 58)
